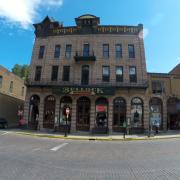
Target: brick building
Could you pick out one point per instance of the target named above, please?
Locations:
(98, 71)
(12, 95)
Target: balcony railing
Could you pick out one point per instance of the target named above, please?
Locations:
(85, 56)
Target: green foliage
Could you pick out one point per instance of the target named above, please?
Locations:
(21, 70)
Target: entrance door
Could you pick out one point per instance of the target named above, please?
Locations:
(85, 75)
(83, 114)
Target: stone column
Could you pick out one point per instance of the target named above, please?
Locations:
(57, 115)
(26, 108)
(92, 114)
(164, 108)
(146, 114)
(73, 117)
(128, 111)
(41, 113)
(110, 115)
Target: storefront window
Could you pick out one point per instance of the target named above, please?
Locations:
(66, 102)
(101, 113)
(136, 112)
(156, 111)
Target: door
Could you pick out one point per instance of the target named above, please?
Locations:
(83, 114)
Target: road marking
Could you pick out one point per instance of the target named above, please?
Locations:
(59, 147)
(36, 149)
(4, 133)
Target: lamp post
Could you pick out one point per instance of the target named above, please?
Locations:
(67, 116)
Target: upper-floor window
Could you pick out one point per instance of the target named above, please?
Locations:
(85, 75)
(38, 73)
(11, 87)
(157, 87)
(66, 73)
(105, 51)
(86, 50)
(41, 52)
(68, 51)
(106, 73)
(57, 51)
(131, 51)
(132, 74)
(119, 74)
(22, 91)
(54, 74)
(118, 51)
(1, 80)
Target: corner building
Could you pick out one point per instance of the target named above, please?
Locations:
(99, 71)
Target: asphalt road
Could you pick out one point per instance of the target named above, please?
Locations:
(34, 158)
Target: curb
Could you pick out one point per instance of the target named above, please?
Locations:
(94, 138)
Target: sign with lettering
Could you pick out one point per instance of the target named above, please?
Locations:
(84, 90)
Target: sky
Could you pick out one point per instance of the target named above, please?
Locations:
(161, 20)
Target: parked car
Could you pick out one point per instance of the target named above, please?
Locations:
(3, 123)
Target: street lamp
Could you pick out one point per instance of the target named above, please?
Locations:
(67, 116)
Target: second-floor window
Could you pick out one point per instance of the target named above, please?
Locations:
(54, 74)
(85, 75)
(11, 87)
(68, 51)
(105, 74)
(38, 73)
(57, 51)
(1, 80)
(118, 51)
(119, 74)
(131, 51)
(66, 73)
(157, 87)
(41, 52)
(105, 51)
(132, 74)
(86, 50)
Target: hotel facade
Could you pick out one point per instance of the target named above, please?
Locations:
(99, 72)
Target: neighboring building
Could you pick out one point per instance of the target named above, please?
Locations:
(12, 96)
(99, 71)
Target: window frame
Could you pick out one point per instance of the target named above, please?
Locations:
(119, 78)
(57, 53)
(131, 54)
(38, 73)
(132, 77)
(41, 52)
(118, 52)
(106, 52)
(54, 73)
(66, 74)
(68, 52)
(105, 78)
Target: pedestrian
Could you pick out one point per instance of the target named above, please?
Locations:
(157, 124)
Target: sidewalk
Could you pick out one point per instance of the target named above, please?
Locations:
(112, 137)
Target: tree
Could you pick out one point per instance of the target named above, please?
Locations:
(21, 70)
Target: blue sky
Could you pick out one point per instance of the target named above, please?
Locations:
(161, 19)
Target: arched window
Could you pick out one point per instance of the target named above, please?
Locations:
(101, 112)
(156, 111)
(49, 112)
(173, 114)
(136, 113)
(119, 112)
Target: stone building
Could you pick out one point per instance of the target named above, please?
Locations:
(98, 71)
(12, 96)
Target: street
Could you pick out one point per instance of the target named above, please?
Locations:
(34, 158)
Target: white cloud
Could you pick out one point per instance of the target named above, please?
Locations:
(143, 34)
(24, 12)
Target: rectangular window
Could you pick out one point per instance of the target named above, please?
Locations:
(118, 51)
(1, 80)
(66, 73)
(86, 50)
(131, 51)
(11, 87)
(57, 51)
(54, 74)
(105, 73)
(119, 74)
(105, 51)
(41, 52)
(68, 51)
(38, 73)
(132, 74)
(157, 87)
